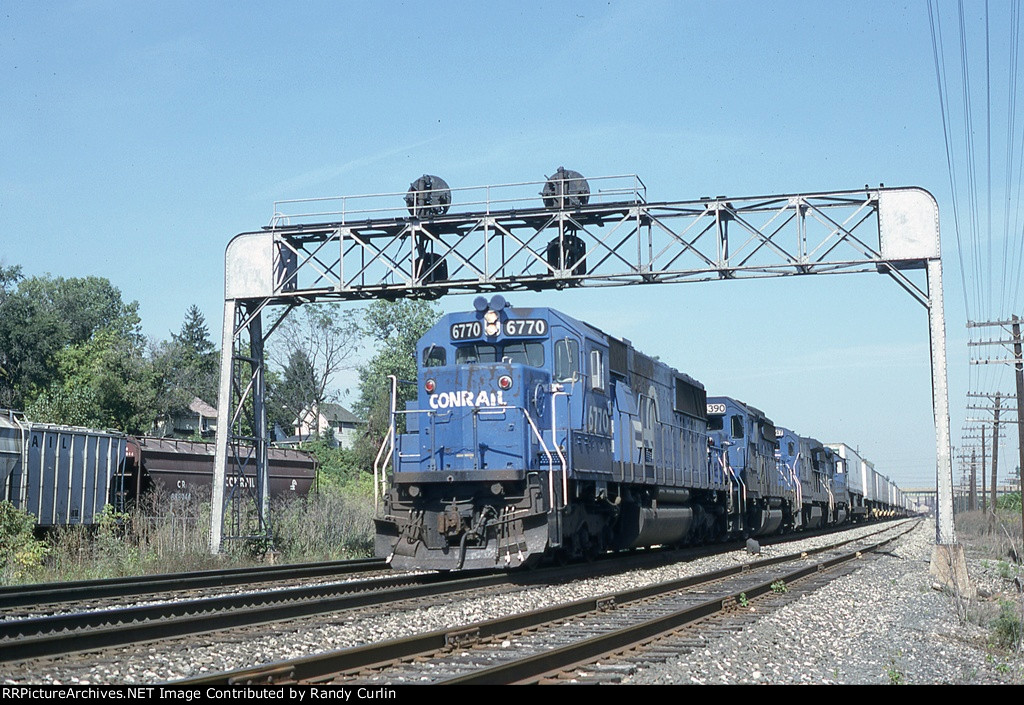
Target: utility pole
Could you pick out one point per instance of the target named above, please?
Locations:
(983, 469)
(995, 452)
(1013, 345)
(972, 503)
(995, 410)
(970, 439)
(1019, 375)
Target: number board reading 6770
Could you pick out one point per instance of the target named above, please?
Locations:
(516, 328)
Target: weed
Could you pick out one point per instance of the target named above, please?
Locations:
(779, 587)
(1007, 626)
(895, 675)
(743, 600)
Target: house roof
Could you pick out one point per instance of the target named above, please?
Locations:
(202, 408)
(336, 412)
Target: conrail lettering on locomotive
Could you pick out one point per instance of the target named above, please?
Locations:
(448, 400)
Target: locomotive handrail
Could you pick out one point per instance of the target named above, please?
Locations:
(558, 449)
(388, 443)
(544, 447)
(799, 484)
(490, 410)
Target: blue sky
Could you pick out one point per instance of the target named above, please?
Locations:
(140, 137)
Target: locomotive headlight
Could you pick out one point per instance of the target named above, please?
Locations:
(430, 385)
(505, 382)
(491, 325)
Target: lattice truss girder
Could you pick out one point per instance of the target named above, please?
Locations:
(601, 245)
(607, 244)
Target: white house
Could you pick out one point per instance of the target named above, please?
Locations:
(200, 419)
(344, 425)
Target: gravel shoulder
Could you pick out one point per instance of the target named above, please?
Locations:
(886, 623)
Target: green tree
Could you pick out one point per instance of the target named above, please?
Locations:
(186, 366)
(105, 381)
(292, 396)
(72, 351)
(395, 327)
(313, 344)
(30, 336)
(84, 306)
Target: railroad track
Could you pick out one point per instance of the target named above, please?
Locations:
(44, 594)
(547, 644)
(81, 631)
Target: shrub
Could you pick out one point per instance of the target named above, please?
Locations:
(1007, 626)
(1009, 501)
(21, 554)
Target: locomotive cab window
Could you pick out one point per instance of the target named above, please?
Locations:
(596, 370)
(716, 423)
(524, 353)
(737, 426)
(567, 356)
(434, 357)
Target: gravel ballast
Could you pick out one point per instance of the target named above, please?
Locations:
(886, 623)
(883, 623)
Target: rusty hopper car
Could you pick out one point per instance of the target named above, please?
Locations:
(61, 474)
(182, 467)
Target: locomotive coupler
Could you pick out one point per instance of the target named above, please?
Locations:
(449, 522)
(477, 532)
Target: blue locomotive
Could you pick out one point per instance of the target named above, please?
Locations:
(821, 492)
(534, 434)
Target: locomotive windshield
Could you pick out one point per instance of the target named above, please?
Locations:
(520, 352)
(475, 352)
(531, 354)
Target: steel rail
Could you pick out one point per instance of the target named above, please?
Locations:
(61, 634)
(47, 636)
(55, 593)
(322, 668)
(534, 669)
